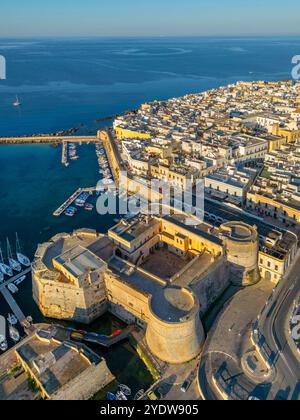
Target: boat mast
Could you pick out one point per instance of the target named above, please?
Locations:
(18, 247)
(9, 254)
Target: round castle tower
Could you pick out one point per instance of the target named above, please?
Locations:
(241, 244)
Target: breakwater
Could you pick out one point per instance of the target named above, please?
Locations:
(47, 139)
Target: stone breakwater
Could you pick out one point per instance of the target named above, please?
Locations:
(47, 139)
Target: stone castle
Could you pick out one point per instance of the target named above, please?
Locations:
(157, 272)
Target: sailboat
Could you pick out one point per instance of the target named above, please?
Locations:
(15, 265)
(5, 269)
(21, 258)
(17, 102)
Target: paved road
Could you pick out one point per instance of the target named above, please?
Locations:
(284, 379)
(272, 329)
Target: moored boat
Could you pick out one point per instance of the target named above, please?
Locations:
(4, 268)
(19, 280)
(12, 288)
(20, 256)
(3, 341)
(89, 207)
(14, 333)
(15, 265)
(12, 320)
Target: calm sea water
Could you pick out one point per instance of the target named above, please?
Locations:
(63, 83)
(70, 83)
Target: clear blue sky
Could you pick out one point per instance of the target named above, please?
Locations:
(148, 17)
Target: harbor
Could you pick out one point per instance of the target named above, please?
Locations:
(41, 191)
(81, 195)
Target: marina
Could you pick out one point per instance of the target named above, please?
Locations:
(62, 209)
(9, 298)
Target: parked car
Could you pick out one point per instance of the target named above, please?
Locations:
(186, 384)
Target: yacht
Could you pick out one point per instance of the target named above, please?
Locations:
(12, 288)
(12, 320)
(121, 396)
(21, 258)
(3, 342)
(19, 280)
(5, 269)
(15, 265)
(14, 333)
(17, 102)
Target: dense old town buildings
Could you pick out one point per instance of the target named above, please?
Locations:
(160, 271)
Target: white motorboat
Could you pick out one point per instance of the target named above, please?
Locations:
(12, 288)
(15, 265)
(21, 258)
(125, 389)
(4, 268)
(3, 341)
(19, 280)
(14, 333)
(121, 396)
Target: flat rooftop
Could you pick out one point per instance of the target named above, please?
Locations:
(131, 229)
(79, 261)
(60, 245)
(55, 364)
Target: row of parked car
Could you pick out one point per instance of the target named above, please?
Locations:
(295, 324)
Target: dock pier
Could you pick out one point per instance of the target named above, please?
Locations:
(71, 200)
(15, 308)
(64, 153)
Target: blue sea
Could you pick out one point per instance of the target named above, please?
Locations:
(66, 83)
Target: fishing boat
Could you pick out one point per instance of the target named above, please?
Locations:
(4, 268)
(15, 265)
(121, 396)
(12, 320)
(125, 389)
(14, 333)
(21, 257)
(81, 200)
(19, 280)
(88, 207)
(70, 212)
(139, 394)
(17, 102)
(110, 396)
(3, 342)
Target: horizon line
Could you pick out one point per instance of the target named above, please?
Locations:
(151, 36)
